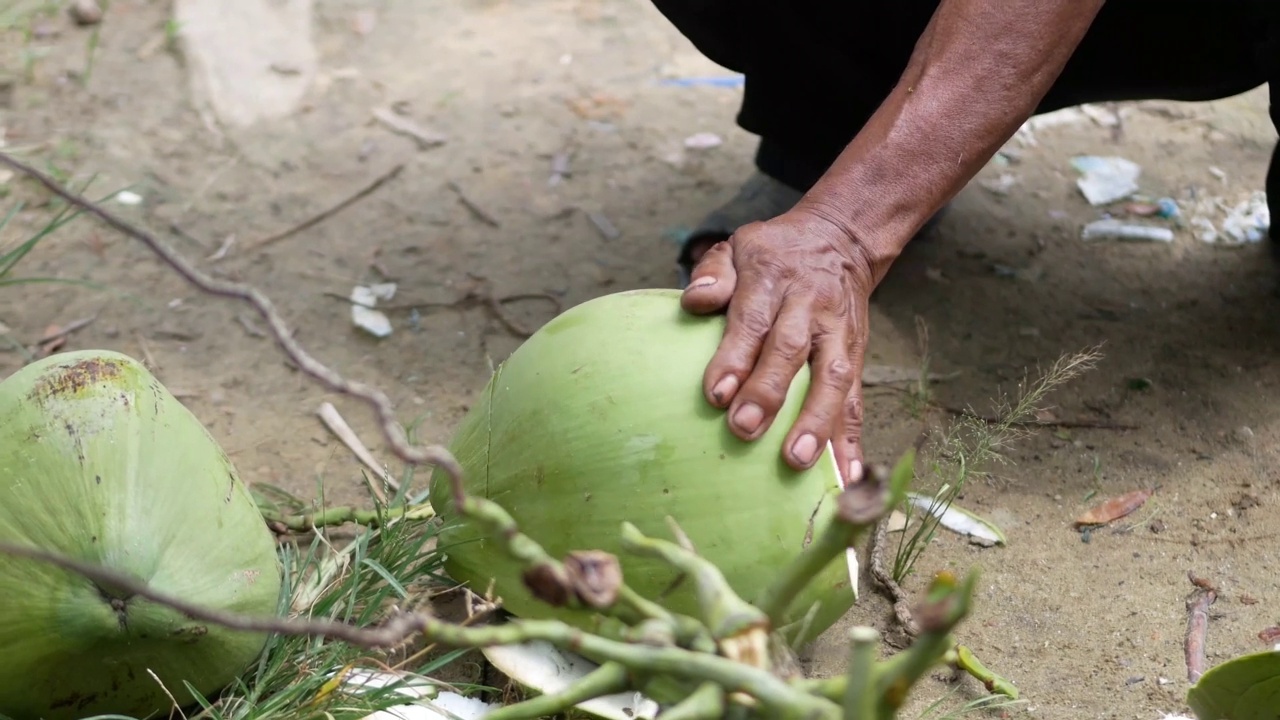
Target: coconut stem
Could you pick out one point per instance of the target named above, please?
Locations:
(859, 694)
(777, 598)
(604, 680)
(725, 614)
(777, 698)
(332, 517)
(706, 703)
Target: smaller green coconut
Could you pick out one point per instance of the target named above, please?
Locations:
(599, 419)
(100, 463)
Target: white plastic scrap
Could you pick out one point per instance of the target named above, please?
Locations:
(363, 299)
(1105, 180)
(703, 141)
(128, 197)
(1113, 229)
(958, 520)
(1246, 223)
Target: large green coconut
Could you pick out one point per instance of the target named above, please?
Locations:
(100, 463)
(599, 418)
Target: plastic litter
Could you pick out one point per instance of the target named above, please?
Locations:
(1168, 208)
(731, 82)
(703, 141)
(128, 197)
(1113, 229)
(1001, 184)
(363, 314)
(1247, 222)
(1105, 180)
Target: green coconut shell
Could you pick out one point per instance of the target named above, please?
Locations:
(599, 419)
(100, 463)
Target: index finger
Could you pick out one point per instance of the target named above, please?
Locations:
(750, 317)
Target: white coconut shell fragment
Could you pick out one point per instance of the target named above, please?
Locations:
(959, 520)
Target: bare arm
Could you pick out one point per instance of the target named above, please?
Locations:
(796, 287)
(978, 72)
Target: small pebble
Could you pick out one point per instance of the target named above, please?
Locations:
(86, 12)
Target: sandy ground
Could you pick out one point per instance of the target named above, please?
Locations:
(1085, 629)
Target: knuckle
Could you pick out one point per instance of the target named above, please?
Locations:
(754, 321)
(837, 372)
(853, 420)
(769, 388)
(791, 341)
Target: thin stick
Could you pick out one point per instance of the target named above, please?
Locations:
(376, 399)
(66, 330)
(315, 220)
(339, 427)
(146, 353)
(480, 213)
(398, 628)
(1198, 603)
(901, 603)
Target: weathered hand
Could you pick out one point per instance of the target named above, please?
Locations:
(797, 289)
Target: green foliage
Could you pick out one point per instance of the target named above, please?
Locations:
(1244, 688)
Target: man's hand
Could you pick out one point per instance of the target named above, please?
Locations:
(799, 285)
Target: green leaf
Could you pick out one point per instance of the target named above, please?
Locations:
(1246, 688)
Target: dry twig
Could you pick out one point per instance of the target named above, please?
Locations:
(398, 628)
(333, 420)
(891, 588)
(1198, 603)
(375, 398)
(317, 219)
(480, 213)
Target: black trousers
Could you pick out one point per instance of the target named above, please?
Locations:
(816, 70)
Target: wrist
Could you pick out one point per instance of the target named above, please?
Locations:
(876, 223)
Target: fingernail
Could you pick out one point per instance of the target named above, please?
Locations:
(748, 418)
(855, 472)
(703, 282)
(724, 389)
(804, 449)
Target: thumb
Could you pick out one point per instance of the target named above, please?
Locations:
(713, 281)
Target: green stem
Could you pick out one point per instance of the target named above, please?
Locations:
(605, 680)
(776, 697)
(835, 538)
(966, 661)
(859, 693)
(688, 631)
(332, 517)
(724, 613)
(706, 703)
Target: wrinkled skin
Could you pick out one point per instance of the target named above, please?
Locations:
(799, 291)
(796, 287)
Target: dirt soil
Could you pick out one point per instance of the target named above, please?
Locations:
(1005, 285)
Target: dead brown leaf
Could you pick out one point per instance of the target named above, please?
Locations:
(1115, 508)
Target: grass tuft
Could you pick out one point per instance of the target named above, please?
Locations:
(972, 443)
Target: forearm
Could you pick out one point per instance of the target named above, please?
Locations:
(978, 72)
